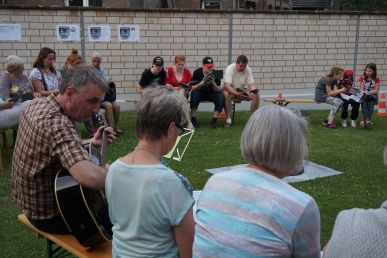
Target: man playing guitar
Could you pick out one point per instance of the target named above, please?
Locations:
(48, 140)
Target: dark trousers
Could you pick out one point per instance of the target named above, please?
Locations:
(216, 97)
(354, 112)
(56, 225)
(367, 107)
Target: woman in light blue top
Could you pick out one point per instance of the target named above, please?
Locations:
(150, 205)
(250, 211)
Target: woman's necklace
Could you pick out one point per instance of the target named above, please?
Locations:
(158, 157)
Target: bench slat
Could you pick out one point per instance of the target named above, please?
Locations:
(70, 243)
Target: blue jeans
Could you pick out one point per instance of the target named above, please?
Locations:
(216, 97)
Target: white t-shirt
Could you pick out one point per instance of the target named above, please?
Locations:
(238, 79)
(145, 203)
(52, 80)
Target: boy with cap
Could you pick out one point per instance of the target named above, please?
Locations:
(239, 84)
(208, 88)
(155, 76)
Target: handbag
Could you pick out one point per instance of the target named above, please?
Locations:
(111, 93)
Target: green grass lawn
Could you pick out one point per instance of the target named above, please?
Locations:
(355, 152)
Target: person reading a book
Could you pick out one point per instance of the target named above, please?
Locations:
(369, 85)
(207, 88)
(179, 77)
(327, 92)
(349, 97)
(49, 140)
(150, 205)
(154, 76)
(239, 84)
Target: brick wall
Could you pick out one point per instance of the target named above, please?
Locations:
(286, 50)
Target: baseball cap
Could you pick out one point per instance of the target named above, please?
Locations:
(158, 60)
(208, 62)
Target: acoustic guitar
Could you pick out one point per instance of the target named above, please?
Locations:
(84, 211)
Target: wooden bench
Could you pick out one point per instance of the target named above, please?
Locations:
(221, 115)
(285, 102)
(59, 245)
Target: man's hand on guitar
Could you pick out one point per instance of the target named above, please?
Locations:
(97, 139)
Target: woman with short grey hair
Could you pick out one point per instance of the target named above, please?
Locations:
(15, 90)
(150, 205)
(249, 211)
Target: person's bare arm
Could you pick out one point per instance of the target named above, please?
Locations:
(38, 87)
(184, 234)
(88, 174)
(139, 89)
(334, 93)
(239, 95)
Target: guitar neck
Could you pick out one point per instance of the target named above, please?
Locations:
(103, 149)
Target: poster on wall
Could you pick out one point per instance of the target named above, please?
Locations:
(129, 32)
(10, 32)
(99, 32)
(68, 32)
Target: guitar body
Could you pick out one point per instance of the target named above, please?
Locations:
(84, 211)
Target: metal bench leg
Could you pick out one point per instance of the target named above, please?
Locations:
(55, 252)
(233, 112)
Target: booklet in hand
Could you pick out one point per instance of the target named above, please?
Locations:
(246, 93)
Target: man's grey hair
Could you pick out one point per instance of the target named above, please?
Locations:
(275, 138)
(80, 76)
(13, 63)
(96, 55)
(157, 108)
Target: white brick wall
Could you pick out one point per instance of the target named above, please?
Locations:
(285, 50)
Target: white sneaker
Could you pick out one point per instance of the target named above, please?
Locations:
(353, 123)
(344, 123)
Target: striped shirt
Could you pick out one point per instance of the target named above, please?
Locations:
(46, 139)
(247, 213)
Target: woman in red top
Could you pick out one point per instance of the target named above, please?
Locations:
(178, 73)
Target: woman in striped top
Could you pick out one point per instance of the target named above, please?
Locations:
(250, 211)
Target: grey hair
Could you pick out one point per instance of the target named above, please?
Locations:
(275, 138)
(157, 108)
(80, 76)
(13, 63)
(96, 55)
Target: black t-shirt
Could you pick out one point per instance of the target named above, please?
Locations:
(198, 76)
(148, 78)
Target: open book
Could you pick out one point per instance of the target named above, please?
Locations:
(355, 94)
(246, 92)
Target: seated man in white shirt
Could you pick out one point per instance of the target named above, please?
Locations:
(239, 84)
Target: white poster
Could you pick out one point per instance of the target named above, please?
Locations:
(68, 32)
(10, 32)
(129, 32)
(99, 32)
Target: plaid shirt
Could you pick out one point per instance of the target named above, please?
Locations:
(47, 140)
